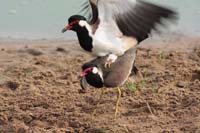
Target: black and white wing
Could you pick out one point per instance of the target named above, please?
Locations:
(135, 18)
(90, 9)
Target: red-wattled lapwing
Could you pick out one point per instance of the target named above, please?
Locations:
(117, 25)
(95, 74)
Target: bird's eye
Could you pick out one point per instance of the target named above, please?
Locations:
(95, 70)
(73, 22)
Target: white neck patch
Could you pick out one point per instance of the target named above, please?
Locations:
(95, 70)
(101, 74)
(82, 23)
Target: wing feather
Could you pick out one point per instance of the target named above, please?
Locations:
(90, 9)
(135, 18)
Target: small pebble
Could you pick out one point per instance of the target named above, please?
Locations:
(181, 84)
(12, 85)
(59, 49)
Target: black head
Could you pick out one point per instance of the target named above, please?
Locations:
(93, 75)
(73, 23)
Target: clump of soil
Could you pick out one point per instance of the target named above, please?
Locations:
(33, 52)
(62, 50)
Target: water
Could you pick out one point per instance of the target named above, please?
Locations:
(46, 18)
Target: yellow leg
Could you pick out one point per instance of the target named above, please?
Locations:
(117, 103)
(102, 93)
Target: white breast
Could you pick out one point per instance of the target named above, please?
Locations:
(105, 42)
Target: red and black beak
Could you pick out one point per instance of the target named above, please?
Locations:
(68, 27)
(83, 84)
(83, 74)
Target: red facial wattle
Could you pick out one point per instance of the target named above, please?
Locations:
(70, 25)
(85, 72)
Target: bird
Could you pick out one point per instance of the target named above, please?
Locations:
(114, 26)
(95, 74)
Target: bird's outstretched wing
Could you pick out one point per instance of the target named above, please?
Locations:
(134, 18)
(90, 9)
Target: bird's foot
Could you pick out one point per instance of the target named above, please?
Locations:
(111, 59)
(117, 103)
(103, 91)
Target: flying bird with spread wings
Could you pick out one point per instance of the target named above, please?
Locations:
(114, 26)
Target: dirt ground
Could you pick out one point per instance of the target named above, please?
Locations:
(40, 92)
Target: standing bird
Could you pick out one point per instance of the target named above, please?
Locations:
(115, 26)
(95, 74)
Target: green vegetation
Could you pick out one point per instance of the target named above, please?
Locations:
(28, 71)
(134, 87)
(161, 56)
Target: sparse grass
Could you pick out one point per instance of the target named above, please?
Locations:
(161, 56)
(3, 77)
(134, 87)
(142, 84)
(155, 88)
(28, 71)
